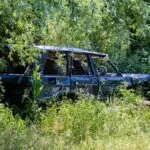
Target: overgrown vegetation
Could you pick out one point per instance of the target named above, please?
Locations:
(120, 28)
(86, 124)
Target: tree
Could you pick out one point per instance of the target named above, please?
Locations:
(117, 27)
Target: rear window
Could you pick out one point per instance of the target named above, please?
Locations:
(7, 66)
(56, 64)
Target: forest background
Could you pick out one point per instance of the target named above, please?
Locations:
(117, 27)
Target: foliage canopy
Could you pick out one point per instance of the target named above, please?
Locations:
(120, 28)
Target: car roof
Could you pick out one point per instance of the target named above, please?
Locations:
(70, 49)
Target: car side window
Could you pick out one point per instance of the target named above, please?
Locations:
(80, 65)
(55, 64)
(103, 66)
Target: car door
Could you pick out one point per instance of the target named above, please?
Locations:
(83, 78)
(54, 76)
(108, 84)
(108, 77)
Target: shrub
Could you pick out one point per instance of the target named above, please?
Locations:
(86, 124)
(11, 129)
(91, 121)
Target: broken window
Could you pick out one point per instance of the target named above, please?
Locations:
(80, 65)
(55, 64)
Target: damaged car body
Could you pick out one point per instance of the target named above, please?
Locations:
(67, 71)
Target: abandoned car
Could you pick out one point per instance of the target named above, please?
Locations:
(68, 71)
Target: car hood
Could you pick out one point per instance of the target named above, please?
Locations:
(137, 78)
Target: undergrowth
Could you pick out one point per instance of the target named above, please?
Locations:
(86, 124)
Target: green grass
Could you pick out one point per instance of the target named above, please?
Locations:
(86, 124)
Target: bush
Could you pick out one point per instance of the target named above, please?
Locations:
(11, 129)
(93, 124)
(86, 124)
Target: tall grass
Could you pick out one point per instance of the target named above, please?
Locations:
(86, 124)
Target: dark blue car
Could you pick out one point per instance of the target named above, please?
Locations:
(68, 71)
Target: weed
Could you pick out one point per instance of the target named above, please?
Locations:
(85, 124)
